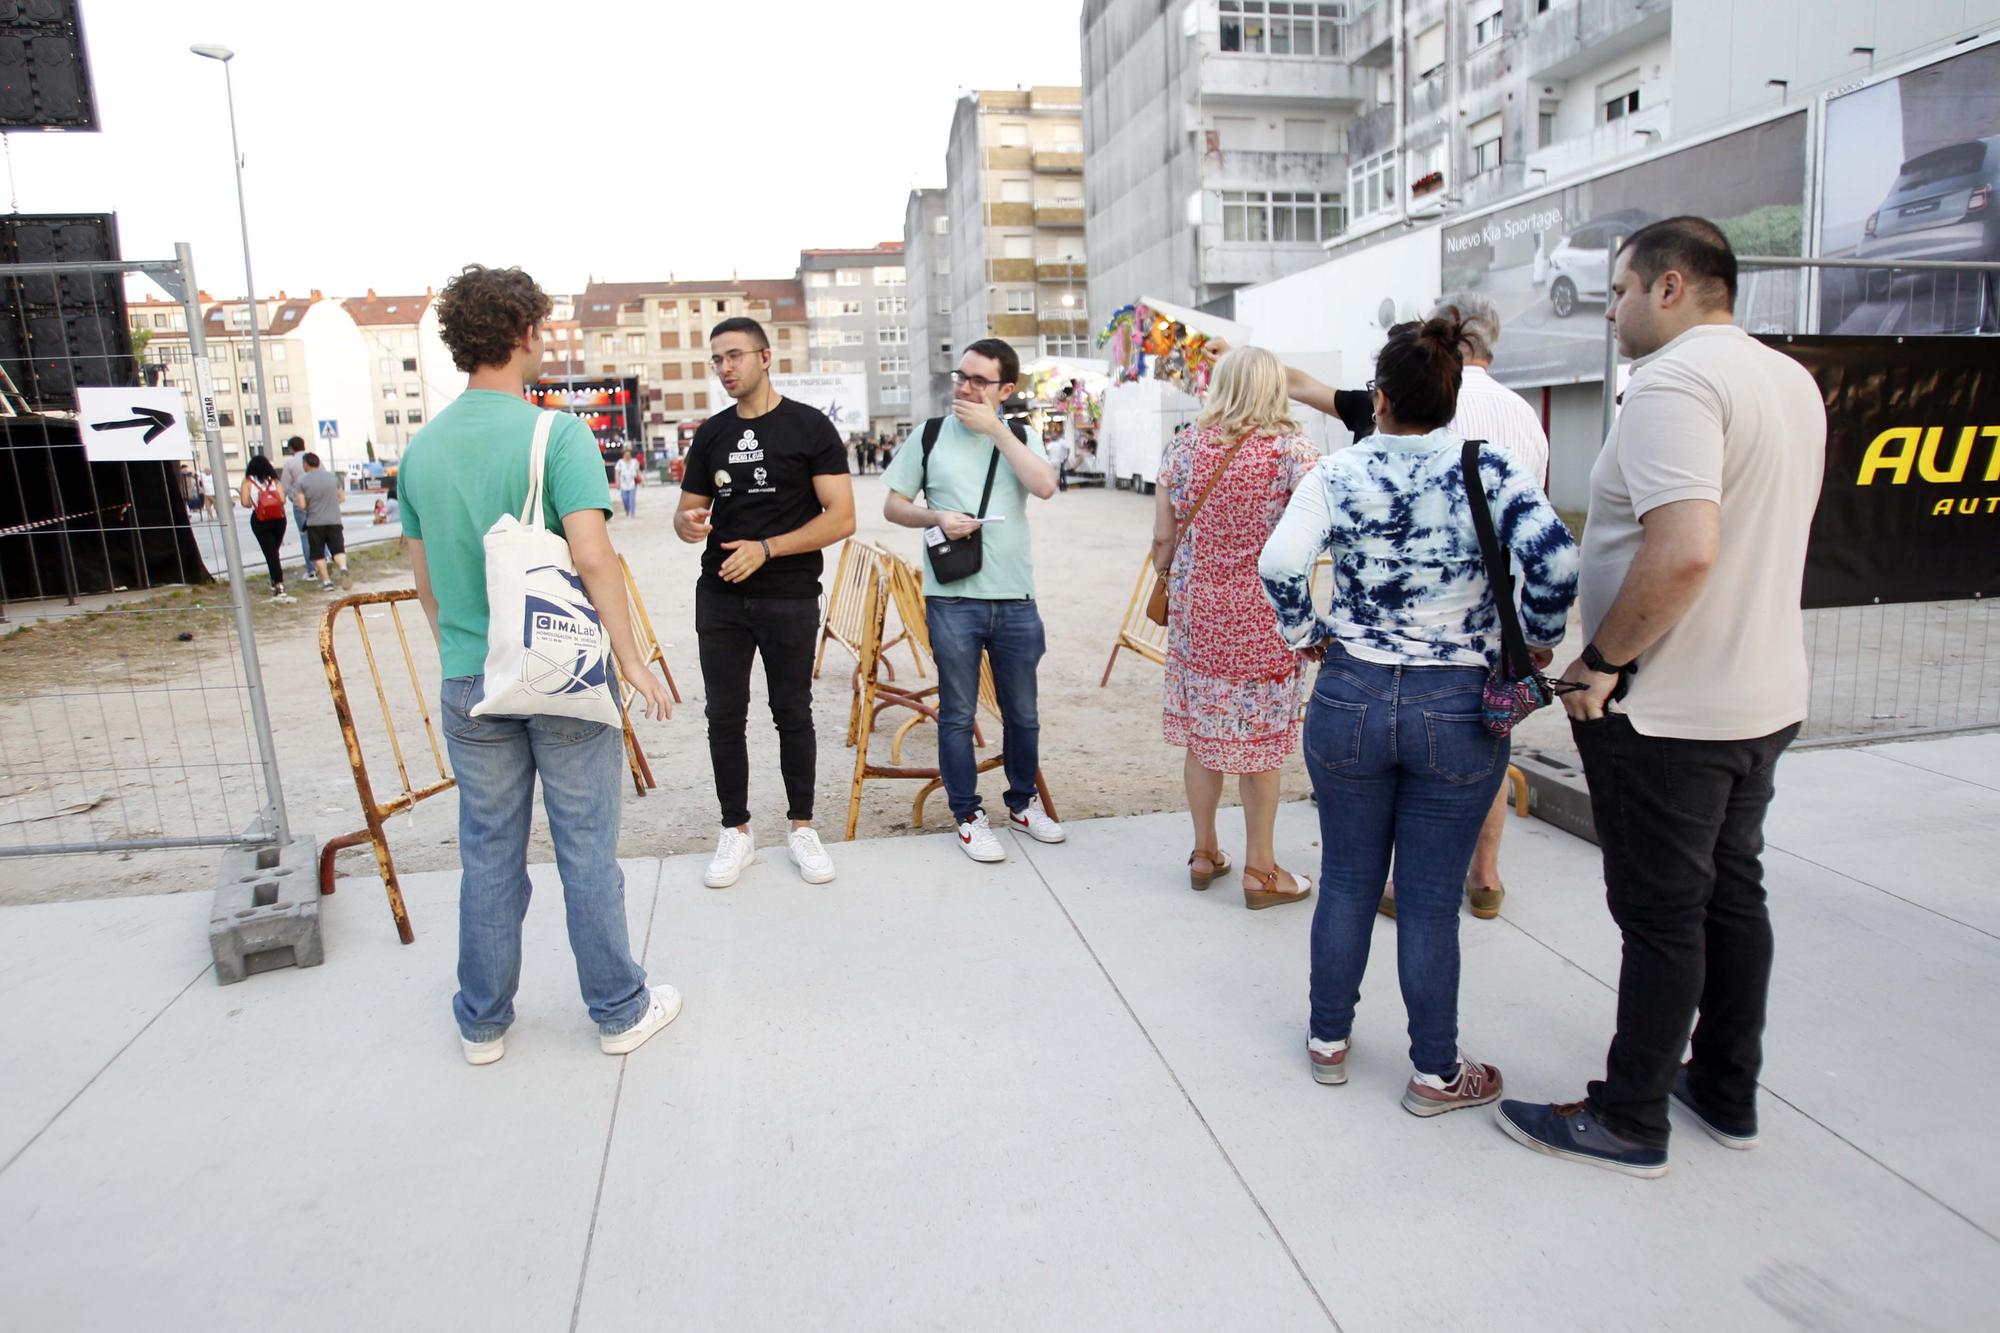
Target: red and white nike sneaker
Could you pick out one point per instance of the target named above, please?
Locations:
(976, 839)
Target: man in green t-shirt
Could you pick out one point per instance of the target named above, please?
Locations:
(464, 470)
(968, 465)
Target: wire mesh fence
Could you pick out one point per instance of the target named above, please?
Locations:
(132, 709)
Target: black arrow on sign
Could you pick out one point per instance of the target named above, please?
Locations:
(152, 418)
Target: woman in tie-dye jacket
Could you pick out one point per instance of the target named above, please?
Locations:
(1399, 755)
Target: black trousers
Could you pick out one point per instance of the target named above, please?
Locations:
(1681, 825)
(270, 534)
(732, 629)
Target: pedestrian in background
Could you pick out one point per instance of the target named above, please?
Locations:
(628, 469)
(263, 497)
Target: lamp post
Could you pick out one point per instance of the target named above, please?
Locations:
(225, 55)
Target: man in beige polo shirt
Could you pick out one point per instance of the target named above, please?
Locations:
(1694, 682)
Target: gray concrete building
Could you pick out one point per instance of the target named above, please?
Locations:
(857, 322)
(1015, 195)
(927, 264)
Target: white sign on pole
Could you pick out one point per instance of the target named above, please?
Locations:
(133, 425)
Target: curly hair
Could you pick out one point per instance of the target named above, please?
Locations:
(483, 312)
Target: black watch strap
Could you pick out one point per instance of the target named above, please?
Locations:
(1595, 661)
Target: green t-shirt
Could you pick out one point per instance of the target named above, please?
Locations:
(957, 476)
(460, 473)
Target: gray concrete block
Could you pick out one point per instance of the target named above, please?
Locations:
(1556, 793)
(266, 912)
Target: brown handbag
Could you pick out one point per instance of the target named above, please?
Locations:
(1156, 604)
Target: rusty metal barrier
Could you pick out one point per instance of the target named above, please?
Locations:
(431, 779)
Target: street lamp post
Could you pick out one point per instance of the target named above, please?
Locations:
(225, 55)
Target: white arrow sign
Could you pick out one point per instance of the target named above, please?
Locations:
(133, 425)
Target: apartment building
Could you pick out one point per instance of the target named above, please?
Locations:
(927, 263)
(409, 368)
(1215, 144)
(1014, 171)
(315, 364)
(658, 333)
(858, 323)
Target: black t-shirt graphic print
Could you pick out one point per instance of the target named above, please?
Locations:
(758, 477)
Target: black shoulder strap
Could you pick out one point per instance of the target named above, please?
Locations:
(931, 429)
(1514, 661)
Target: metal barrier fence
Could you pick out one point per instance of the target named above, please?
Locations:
(127, 721)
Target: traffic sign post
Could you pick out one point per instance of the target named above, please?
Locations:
(329, 431)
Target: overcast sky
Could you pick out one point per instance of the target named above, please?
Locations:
(388, 142)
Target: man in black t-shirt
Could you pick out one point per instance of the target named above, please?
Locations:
(767, 488)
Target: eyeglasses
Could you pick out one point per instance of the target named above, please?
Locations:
(1371, 387)
(976, 381)
(730, 358)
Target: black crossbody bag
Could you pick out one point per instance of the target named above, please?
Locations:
(957, 558)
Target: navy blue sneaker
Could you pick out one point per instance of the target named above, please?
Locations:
(1727, 1133)
(1571, 1130)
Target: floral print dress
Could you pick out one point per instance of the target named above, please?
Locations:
(1232, 682)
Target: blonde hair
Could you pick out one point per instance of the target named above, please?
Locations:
(1246, 395)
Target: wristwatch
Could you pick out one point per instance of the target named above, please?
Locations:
(767, 548)
(1595, 661)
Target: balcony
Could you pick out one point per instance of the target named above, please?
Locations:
(1059, 161)
(1010, 215)
(1372, 133)
(1059, 215)
(1327, 80)
(1014, 326)
(1242, 170)
(1061, 270)
(1243, 263)
(1604, 143)
(1576, 35)
(1010, 270)
(1058, 323)
(1003, 158)
(1370, 35)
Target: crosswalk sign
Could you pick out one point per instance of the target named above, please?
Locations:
(329, 430)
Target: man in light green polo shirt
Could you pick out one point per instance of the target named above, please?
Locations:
(975, 475)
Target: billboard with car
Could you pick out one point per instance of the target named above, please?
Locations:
(1913, 173)
(1543, 261)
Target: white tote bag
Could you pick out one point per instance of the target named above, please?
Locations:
(545, 647)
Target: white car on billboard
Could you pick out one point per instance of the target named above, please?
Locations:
(1579, 265)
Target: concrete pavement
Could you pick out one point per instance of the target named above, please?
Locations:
(1060, 1093)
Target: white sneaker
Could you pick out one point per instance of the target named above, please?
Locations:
(815, 866)
(664, 1009)
(733, 851)
(976, 840)
(1035, 822)
(484, 1052)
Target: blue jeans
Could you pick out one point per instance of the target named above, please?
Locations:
(582, 766)
(1401, 763)
(1010, 634)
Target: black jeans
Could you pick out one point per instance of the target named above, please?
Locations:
(731, 629)
(1681, 825)
(270, 534)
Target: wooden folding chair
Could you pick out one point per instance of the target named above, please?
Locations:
(1136, 632)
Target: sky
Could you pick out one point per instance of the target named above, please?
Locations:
(389, 142)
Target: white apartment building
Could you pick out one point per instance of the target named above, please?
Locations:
(1014, 172)
(409, 368)
(927, 262)
(858, 323)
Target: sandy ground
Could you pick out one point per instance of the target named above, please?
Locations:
(1101, 749)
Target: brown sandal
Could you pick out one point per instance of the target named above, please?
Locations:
(1218, 865)
(1270, 895)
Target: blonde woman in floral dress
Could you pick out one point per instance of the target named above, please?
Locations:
(1232, 682)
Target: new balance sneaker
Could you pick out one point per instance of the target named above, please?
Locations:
(1035, 822)
(733, 851)
(815, 866)
(1474, 1085)
(484, 1052)
(346, 579)
(1728, 1133)
(664, 1009)
(1329, 1059)
(1572, 1130)
(976, 839)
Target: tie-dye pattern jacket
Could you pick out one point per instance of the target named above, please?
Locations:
(1410, 587)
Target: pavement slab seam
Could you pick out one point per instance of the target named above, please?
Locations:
(611, 1126)
(1285, 1244)
(92, 1080)
(1887, 893)
(1970, 782)
(1776, 1096)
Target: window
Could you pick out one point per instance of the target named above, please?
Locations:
(784, 366)
(634, 342)
(891, 305)
(389, 392)
(1486, 145)
(848, 338)
(887, 337)
(895, 393)
(1013, 136)
(1281, 27)
(676, 402)
(281, 384)
(1619, 98)
(893, 365)
(941, 226)
(277, 351)
(284, 416)
(1017, 247)
(850, 307)
(1288, 216)
(847, 277)
(1371, 184)
(671, 371)
(244, 386)
(1486, 30)
(1246, 215)
(606, 344)
(414, 417)
(721, 307)
(670, 307)
(819, 279)
(1545, 125)
(1065, 345)
(390, 417)
(1428, 57)
(412, 391)
(670, 342)
(386, 365)
(252, 417)
(1020, 301)
(159, 321)
(890, 275)
(1015, 192)
(225, 418)
(410, 364)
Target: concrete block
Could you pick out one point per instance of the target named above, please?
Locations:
(266, 912)
(1556, 793)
